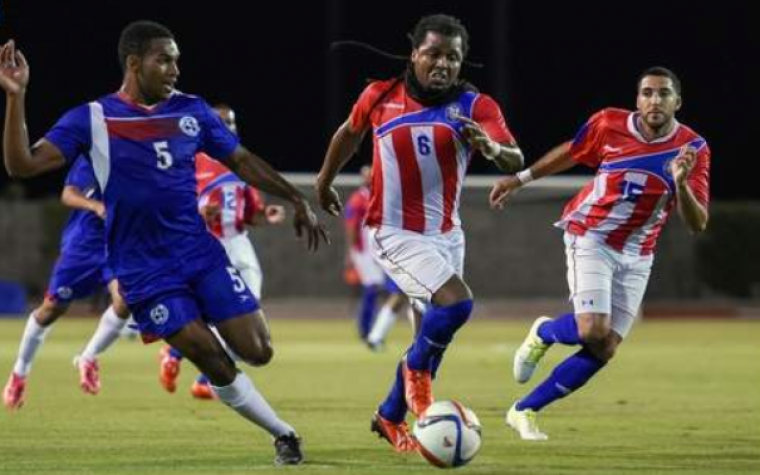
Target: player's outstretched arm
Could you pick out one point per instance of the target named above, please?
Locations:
(342, 147)
(693, 213)
(73, 197)
(19, 159)
(555, 161)
(253, 170)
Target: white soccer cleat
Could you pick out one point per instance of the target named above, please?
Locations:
(524, 422)
(529, 353)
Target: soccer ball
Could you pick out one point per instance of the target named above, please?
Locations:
(448, 434)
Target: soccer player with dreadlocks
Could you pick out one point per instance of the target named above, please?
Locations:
(426, 125)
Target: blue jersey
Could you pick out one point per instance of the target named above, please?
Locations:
(144, 162)
(84, 234)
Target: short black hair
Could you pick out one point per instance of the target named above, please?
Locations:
(136, 37)
(443, 24)
(662, 72)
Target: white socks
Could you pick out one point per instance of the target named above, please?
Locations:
(383, 324)
(243, 397)
(108, 331)
(34, 335)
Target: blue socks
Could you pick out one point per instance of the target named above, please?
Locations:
(367, 310)
(439, 324)
(567, 377)
(563, 329)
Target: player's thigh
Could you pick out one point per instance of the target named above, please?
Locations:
(197, 343)
(589, 276)
(414, 261)
(628, 288)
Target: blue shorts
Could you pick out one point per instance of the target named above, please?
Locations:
(215, 296)
(76, 277)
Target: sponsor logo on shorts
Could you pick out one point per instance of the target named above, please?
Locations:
(64, 292)
(587, 303)
(159, 314)
(189, 126)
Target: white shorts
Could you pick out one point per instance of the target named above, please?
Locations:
(369, 270)
(243, 258)
(419, 264)
(603, 280)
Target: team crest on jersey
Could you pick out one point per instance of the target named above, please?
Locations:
(666, 168)
(159, 314)
(453, 112)
(189, 126)
(64, 292)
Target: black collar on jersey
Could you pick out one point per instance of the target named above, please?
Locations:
(430, 98)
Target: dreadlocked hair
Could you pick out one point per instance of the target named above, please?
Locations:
(445, 25)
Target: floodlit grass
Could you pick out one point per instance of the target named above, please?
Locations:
(680, 398)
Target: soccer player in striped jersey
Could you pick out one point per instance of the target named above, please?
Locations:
(647, 164)
(173, 274)
(426, 125)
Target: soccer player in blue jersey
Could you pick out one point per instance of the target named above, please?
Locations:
(173, 274)
(80, 270)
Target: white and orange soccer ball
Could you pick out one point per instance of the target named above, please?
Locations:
(448, 434)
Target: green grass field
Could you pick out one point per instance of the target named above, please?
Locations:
(681, 398)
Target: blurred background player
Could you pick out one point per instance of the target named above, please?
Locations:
(173, 274)
(80, 270)
(372, 278)
(647, 163)
(426, 124)
(228, 206)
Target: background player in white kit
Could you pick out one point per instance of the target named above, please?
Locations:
(647, 164)
(374, 281)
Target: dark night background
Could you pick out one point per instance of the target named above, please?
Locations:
(549, 64)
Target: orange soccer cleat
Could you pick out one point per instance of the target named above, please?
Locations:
(396, 434)
(418, 389)
(201, 390)
(169, 371)
(13, 394)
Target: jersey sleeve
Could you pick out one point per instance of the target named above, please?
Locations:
(585, 147)
(362, 110)
(81, 174)
(71, 134)
(699, 179)
(487, 113)
(216, 139)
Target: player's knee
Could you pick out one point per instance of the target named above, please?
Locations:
(594, 329)
(258, 355)
(50, 310)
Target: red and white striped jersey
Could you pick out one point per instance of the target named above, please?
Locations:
(237, 202)
(633, 192)
(420, 155)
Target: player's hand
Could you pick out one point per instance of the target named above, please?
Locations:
(14, 70)
(329, 200)
(306, 222)
(275, 214)
(477, 137)
(502, 191)
(682, 165)
(209, 212)
(99, 209)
